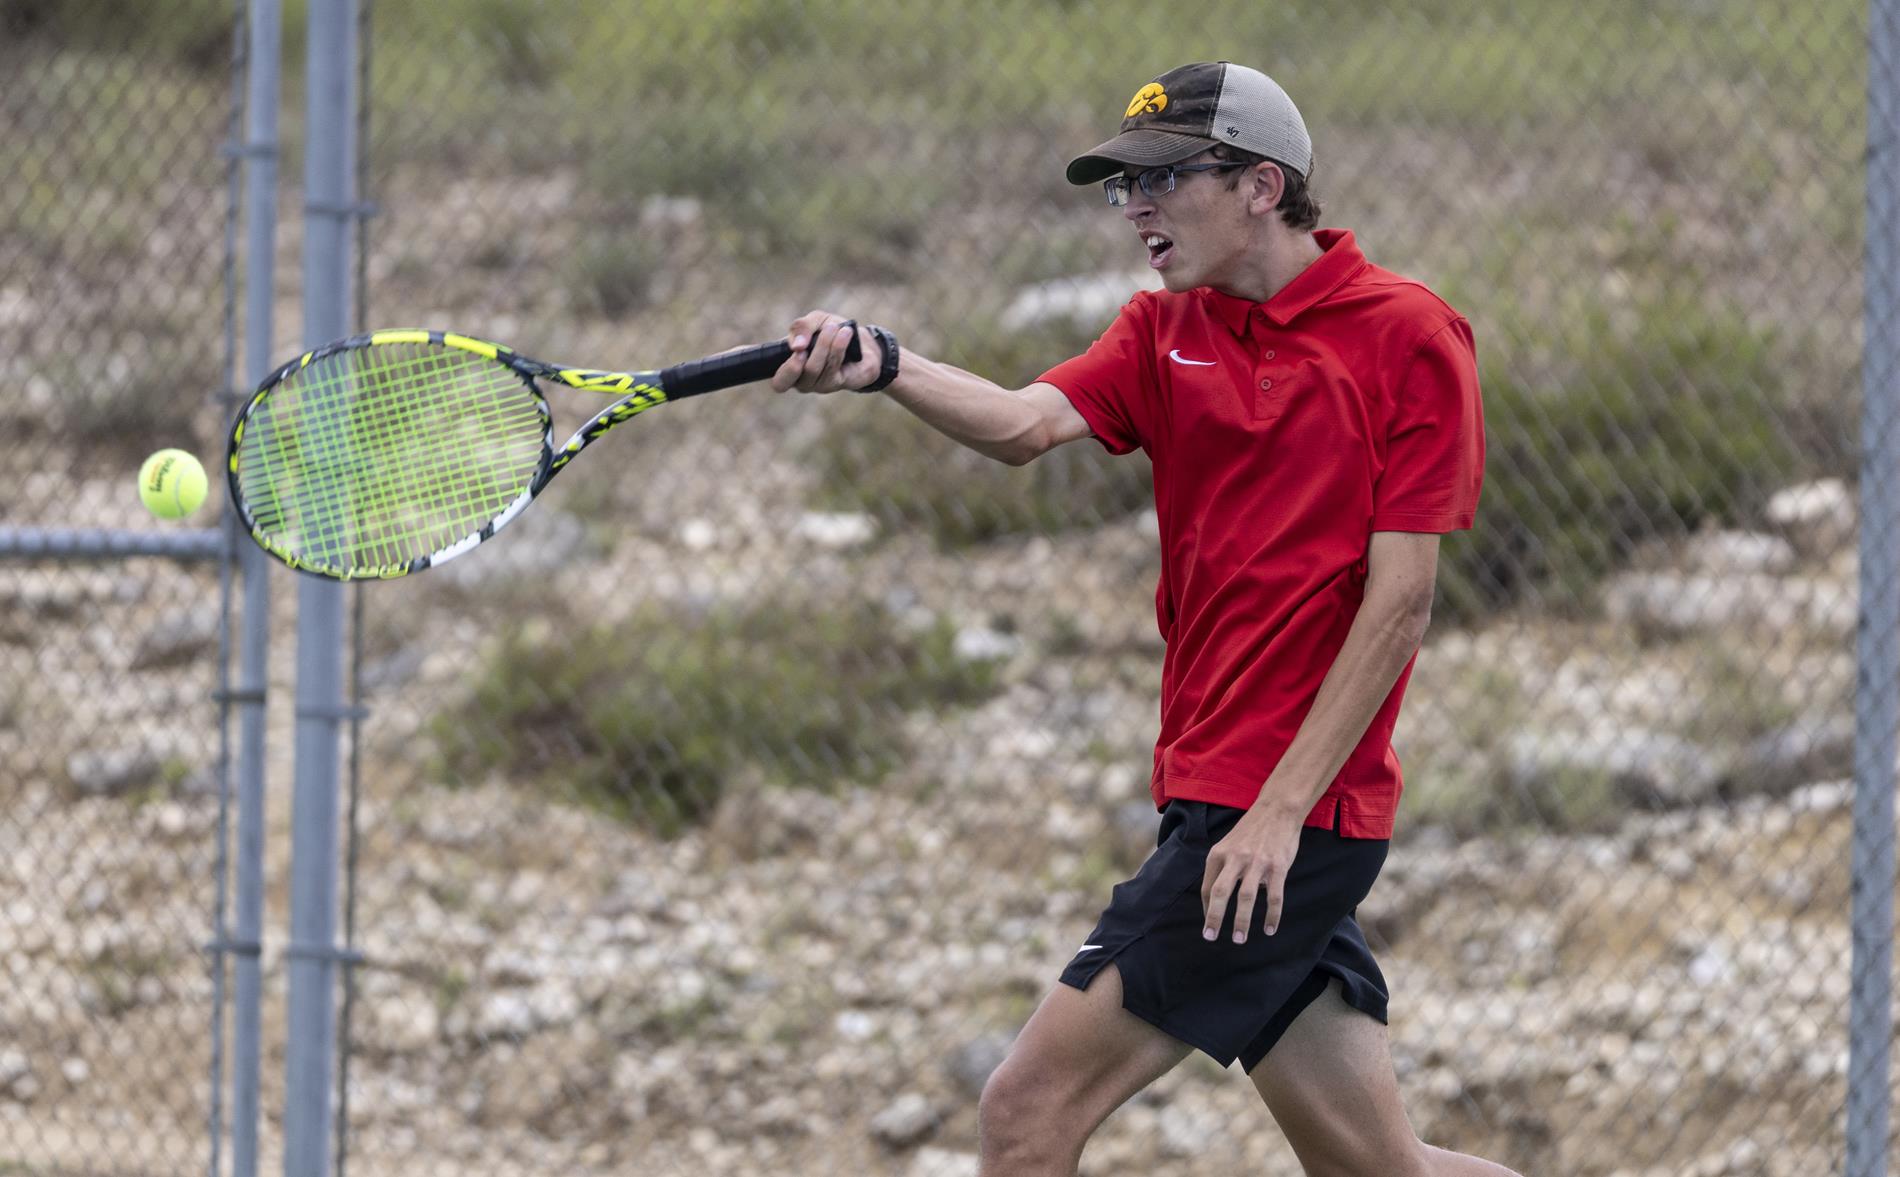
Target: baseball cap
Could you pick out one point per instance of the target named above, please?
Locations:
(1189, 109)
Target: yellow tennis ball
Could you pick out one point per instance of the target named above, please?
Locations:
(172, 484)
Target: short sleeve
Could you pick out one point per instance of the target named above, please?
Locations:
(1434, 454)
(1111, 383)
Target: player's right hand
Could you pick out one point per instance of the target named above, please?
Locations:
(819, 340)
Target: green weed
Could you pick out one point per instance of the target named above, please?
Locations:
(1689, 415)
(648, 720)
(192, 33)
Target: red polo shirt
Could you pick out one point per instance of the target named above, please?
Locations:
(1283, 434)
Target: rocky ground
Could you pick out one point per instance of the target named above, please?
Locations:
(820, 982)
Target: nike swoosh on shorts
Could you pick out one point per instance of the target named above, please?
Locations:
(1178, 358)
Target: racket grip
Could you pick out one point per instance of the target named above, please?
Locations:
(744, 366)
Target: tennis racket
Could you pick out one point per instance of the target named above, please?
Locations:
(385, 454)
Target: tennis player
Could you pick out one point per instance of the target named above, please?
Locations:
(1314, 425)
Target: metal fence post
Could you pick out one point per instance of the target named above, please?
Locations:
(260, 216)
(1877, 695)
(313, 955)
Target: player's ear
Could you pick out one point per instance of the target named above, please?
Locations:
(1269, 184)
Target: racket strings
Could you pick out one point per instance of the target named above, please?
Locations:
(444, 481)
(377, 456)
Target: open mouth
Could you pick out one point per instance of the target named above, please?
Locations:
(1160, 249)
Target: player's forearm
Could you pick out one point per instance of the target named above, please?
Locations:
(979, 413)
(1382, 640)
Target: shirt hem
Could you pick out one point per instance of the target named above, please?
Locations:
(1333, 811)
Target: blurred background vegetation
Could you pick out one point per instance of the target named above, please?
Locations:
(820, 737)
(1653, 228)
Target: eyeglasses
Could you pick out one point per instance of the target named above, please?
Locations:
(1157, 182)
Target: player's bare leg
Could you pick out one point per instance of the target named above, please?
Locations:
(1080, 1057)
(1330, 1085)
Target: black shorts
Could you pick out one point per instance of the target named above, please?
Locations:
(1233, 1001)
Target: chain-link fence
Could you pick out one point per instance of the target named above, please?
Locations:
(113, 312)
(732, 812)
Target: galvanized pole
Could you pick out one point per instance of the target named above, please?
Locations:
(329, 211)
(260, 269)
(1877, 687)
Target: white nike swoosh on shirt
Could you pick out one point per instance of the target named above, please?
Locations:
(1086, 947)
(1178, 358)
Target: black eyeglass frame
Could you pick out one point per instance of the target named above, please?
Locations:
(1117, 187)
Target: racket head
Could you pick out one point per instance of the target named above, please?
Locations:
(383, 454)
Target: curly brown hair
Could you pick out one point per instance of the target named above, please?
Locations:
(1298, 206)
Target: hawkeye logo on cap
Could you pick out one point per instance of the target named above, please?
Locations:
(1150, 99)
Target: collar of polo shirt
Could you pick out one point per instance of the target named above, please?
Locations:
(1334, 268)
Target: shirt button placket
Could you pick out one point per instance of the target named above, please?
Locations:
(1263, 372)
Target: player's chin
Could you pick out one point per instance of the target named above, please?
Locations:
(1178, 278)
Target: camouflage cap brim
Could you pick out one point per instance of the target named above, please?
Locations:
(1143, 147)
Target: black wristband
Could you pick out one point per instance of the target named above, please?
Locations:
(888, 372)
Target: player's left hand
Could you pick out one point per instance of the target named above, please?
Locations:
(1251, 861)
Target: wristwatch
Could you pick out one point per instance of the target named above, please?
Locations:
(888, 372)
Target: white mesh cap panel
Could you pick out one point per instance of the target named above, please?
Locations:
(1255, 114)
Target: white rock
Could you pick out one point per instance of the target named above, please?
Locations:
(1122, 782)
(854, 1025)
(112, 772)
(980, 644)
(1184, 1135)
(1710, 967)
(1816, 517)
(1089, 300)
(698, 534)
(1822, 797)
(174, 820)
(1444, 1085)
(1025, 744)
(778, 1116)
(505, 1015)
(836, 529)
(94, 896)
(1066, 825)
(668, 212)
(1674, 604)
(405, 1025)
(16, 306)
(941, 1162)
(1738, 551)
(1667, 766)
(907, 1120)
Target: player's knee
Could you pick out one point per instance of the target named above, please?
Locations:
(1017, 1114)
(1009, 1103)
